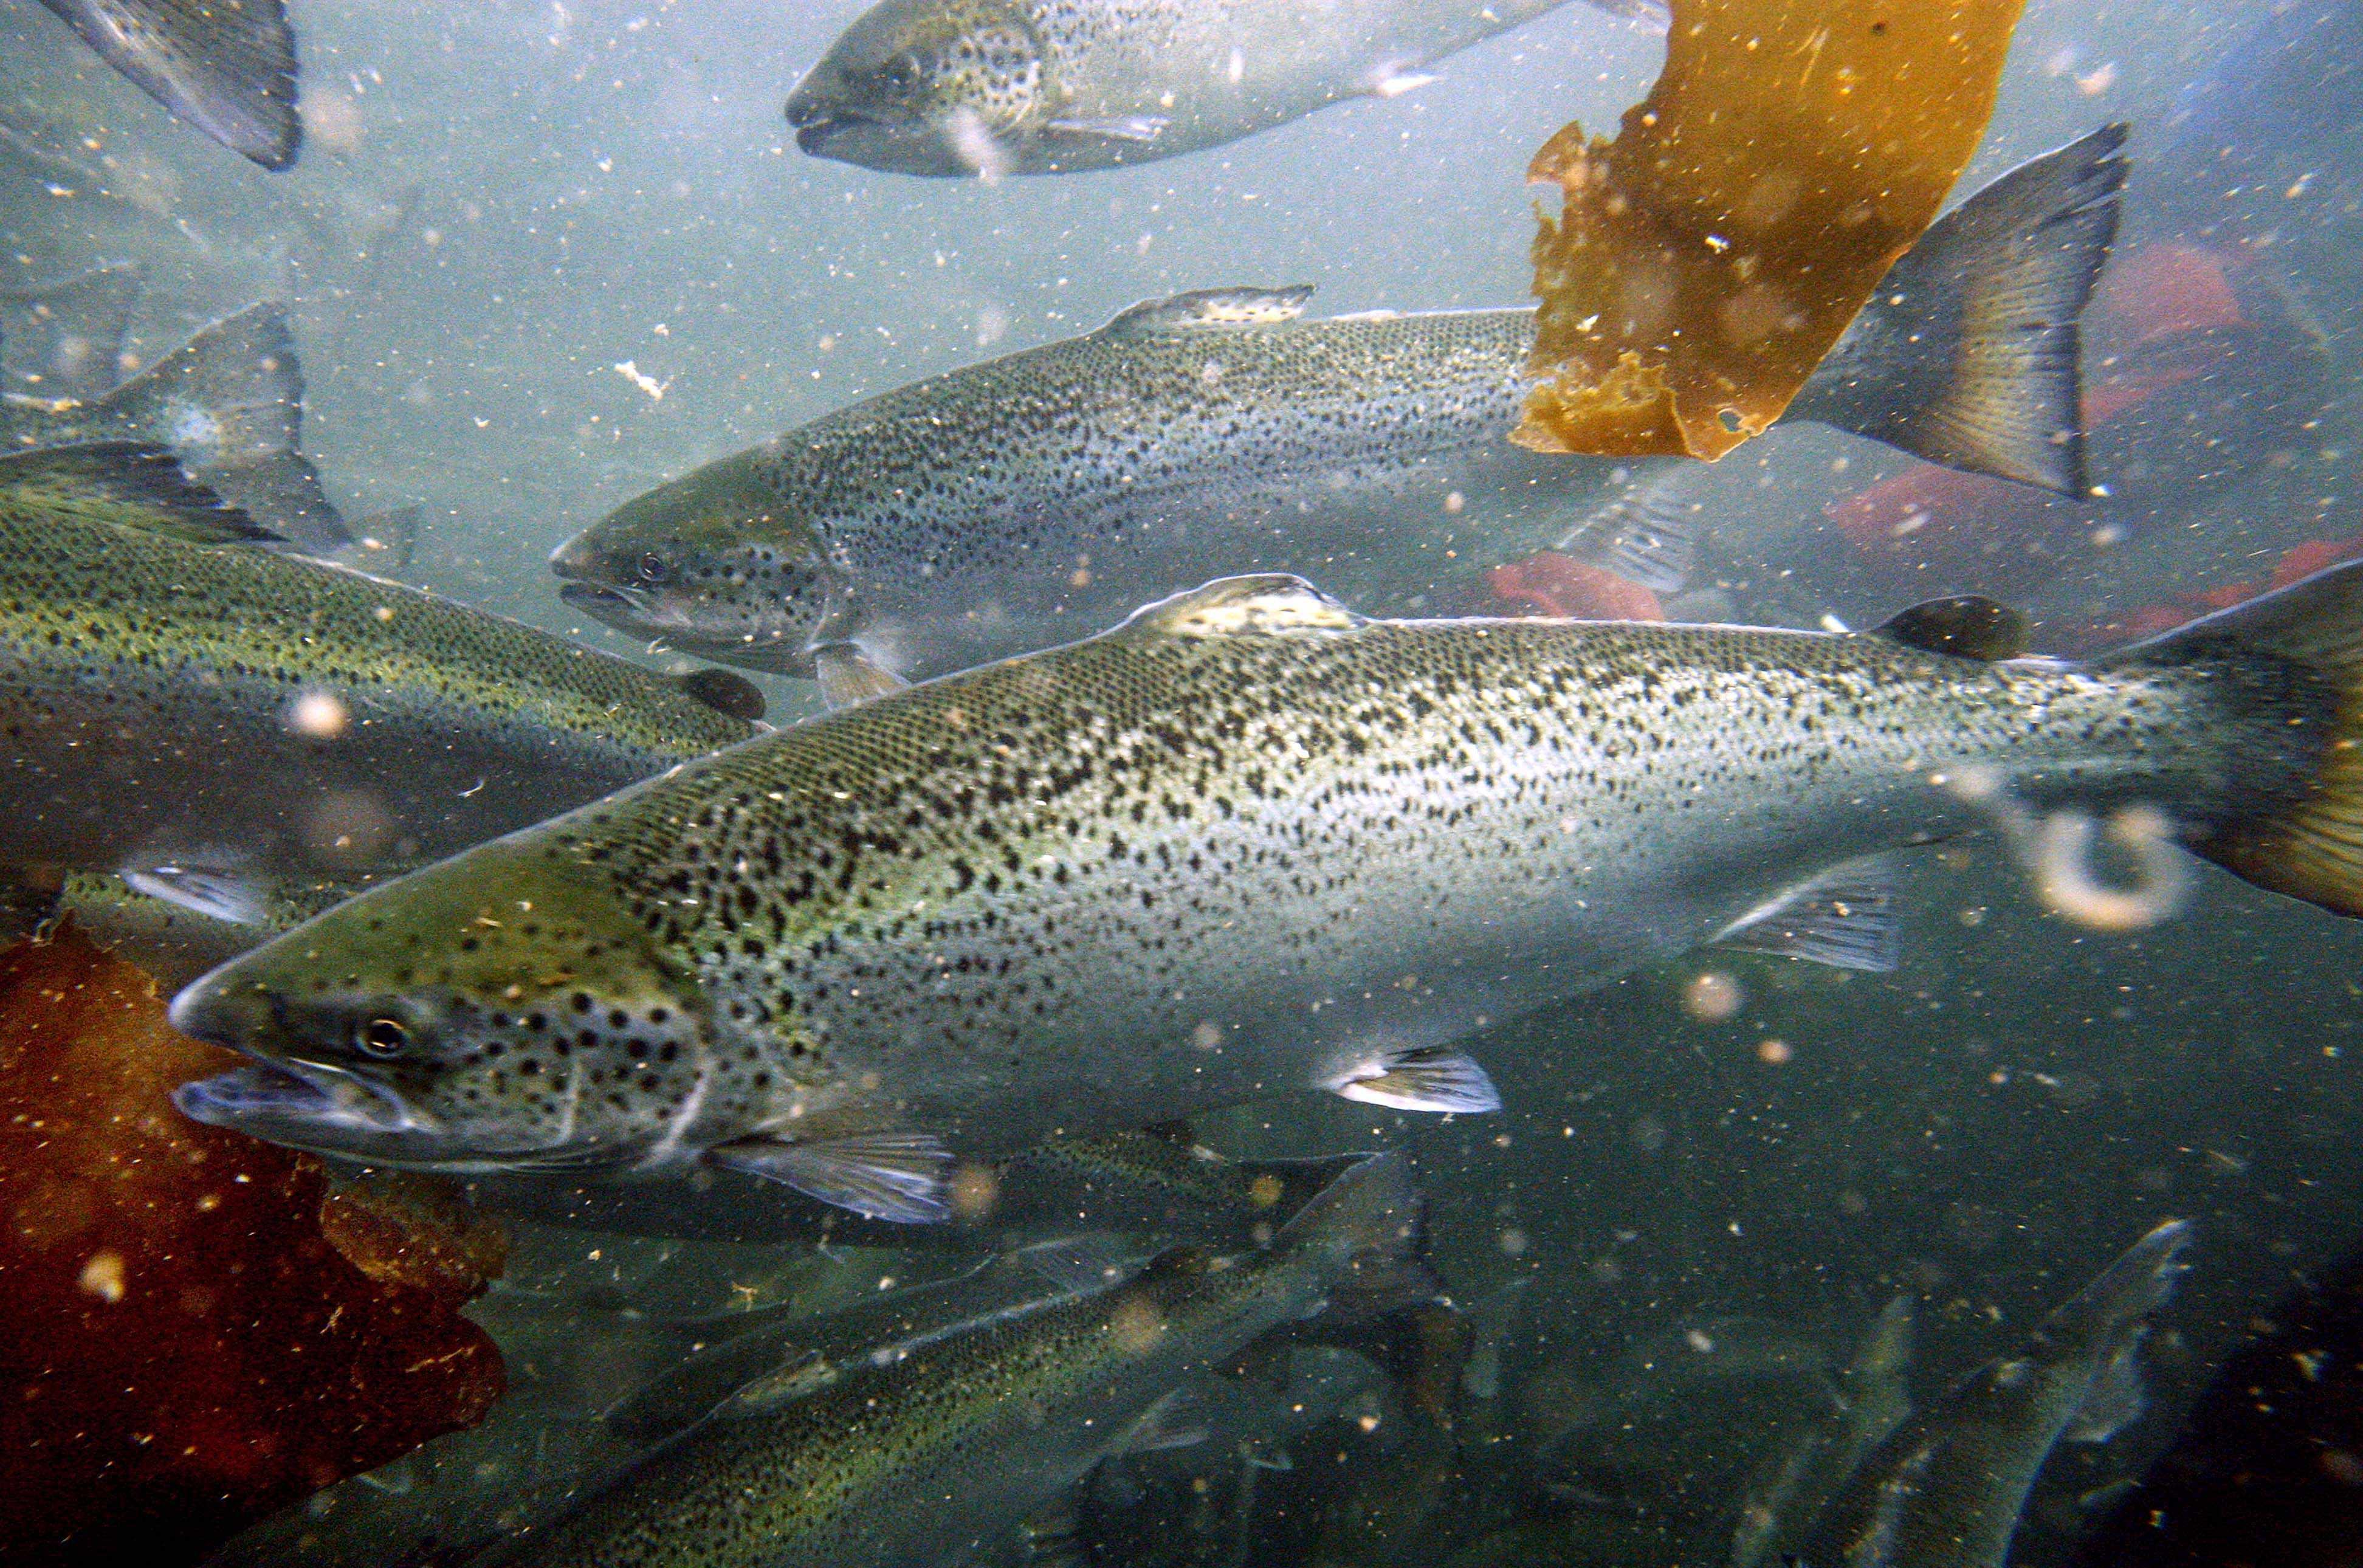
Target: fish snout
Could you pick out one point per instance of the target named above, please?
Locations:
(305, 1104)
(576, 560)
(280, 1098)
(221, 1008)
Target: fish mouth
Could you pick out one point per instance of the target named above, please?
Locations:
(603, 601)
(815, 127)
(848, 135)
(326, 1110)
(306, 1105)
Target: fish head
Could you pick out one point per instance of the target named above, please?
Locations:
(500, 1011)
(925, 87)
(710, 564)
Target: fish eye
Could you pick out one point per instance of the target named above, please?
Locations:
(652, 568)
(380, 1037)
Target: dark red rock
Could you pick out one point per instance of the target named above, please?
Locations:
(186, 1349)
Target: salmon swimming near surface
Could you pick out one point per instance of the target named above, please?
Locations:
(171, 684)
(1022, 502)
(1248, 843)
(993, 87)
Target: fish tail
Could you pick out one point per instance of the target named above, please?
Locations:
(1966, 354)
(1366, 1234)
(225, 66)
(64, 338)
(2306, 640)
(229, 405)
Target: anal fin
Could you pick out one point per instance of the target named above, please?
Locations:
(1845, 918)
(879, 1175)
(1143, 129)
(1645, 536)
(1176, 1421)
(1394, 81)
(1080, 1263)
(1429, 1078)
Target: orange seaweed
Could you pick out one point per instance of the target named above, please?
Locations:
(1706, 262)
(186, 1349)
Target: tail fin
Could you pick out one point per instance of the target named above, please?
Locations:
(225, 66)
(2307, 844)
(1966, 354)
(1367, 1229)
(229, 405)
(64, 339)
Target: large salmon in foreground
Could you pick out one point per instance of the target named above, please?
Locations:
(1246, 842)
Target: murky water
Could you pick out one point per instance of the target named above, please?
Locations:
(536, 261)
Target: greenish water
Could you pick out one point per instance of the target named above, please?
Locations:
(503, 205)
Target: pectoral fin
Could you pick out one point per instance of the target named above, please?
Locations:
(2115, 1400)
(1142, 128)
(225, 893)
(1394, 81)
(1845, 918)
(1427, 1079)
(849, 677)
(879, 1175)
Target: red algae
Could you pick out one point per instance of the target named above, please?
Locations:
(1549, 583)
(188, 1348)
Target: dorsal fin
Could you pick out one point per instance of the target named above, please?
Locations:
(131, 486)
(1264, 604)
(1210, 307)
(1966, 626)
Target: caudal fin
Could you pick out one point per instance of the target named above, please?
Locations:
(64, 339)
(1367, 1228)
(1967, 353)
(225, 66)
(2307, 640)
(229, 405)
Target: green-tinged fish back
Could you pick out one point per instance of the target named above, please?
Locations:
(165, 693)
(106, 579)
